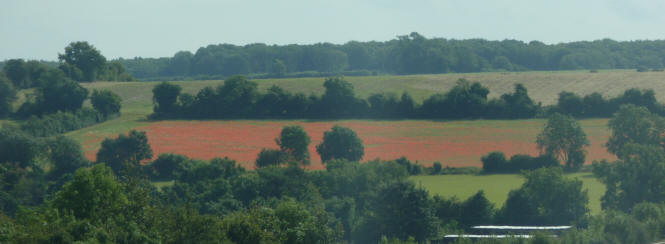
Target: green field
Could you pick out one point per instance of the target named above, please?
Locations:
(496, 187)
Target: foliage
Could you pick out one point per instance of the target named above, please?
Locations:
(545, 198)
(496, 162)
(106, 102)
(564, 139)
(7, 96)
(66, 156)
(85, 57)
(271, 157)
(165, 96)
(93, 194)
(17, 148)
(636, 177)
(167, 166)
(61, 122)
(56, 93)
(406, 54)
(400, 211)
(340, 143)
(294, 141)
(125, 152)
(632, 124)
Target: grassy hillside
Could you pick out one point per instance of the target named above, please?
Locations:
(496, 187)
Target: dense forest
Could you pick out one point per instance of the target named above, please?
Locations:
(408, 54)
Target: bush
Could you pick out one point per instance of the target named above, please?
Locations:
(495, 162)
(166, 166)
(61, 122)
(268, 157)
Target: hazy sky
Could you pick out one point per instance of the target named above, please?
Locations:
(158, 28)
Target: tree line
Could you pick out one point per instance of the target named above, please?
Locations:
(407, 54)
(239, 98)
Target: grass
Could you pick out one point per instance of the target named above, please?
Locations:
(496, 187)
(518, 134)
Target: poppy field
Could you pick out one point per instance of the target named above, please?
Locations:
(453, 143)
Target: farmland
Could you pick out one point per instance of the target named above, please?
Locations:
(453, 143)
(496, 187)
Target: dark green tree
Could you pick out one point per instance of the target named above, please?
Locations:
(477, 210)
(66, 155)
(93, 194)
(58, 93)
(7, 96)
(165, 97)
(125, 152)
(340, 143)
(636, 125)
(547, 197)
(106, 102)
(564, 139)
(17, 148)
(400, 210)
(294, 141)
(638, 176)
(85, 57)
(269, 157)
(17, 72)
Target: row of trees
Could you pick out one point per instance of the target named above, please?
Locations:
(80, 62)
(240, 98)
(408, 54)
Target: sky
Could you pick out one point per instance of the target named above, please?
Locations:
(40, 29)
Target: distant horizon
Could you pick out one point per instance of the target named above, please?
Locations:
(39, 29)
(314, 43)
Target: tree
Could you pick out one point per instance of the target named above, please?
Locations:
(165, 96)
(106, 102)
(400, 210)
(93, 194)
(638, 176)
(16, 72)
(85, 57)
(66, 156)
(547, 197)
(294, 141)
(7, 96)
(636, 125)
(339, 99)
(564, 139)
(125, 152)
(278, 68)
(59, 94)
(268, 157)
(477, 210)
(571, 104)
(340, 143)
(17, 147)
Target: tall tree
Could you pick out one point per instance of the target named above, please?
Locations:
(547, 197)
(564, 139)
(632, 124)
(638, 176)
(85, 57)
(294, 141)
(165, 96)
(340, 143)
(125, 152)
(16, 72)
